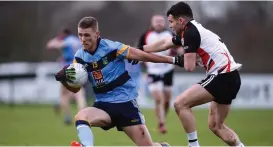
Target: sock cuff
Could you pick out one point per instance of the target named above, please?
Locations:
(192, 135)
(193, 140)
(82, 122)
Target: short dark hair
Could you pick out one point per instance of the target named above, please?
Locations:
(180, 9)
(88, 22)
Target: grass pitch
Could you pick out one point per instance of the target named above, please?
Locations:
(40, 126)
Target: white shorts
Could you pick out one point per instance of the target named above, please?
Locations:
(160, 82)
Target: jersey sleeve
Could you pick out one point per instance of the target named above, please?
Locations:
(122, 50)
(177, 40)
(192, 40)
(78, 57)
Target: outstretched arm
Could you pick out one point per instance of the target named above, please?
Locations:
(125, 51)
(55, 43)
(136, 54)
(161, 45)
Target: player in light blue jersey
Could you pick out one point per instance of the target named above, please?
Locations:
(115, 91)
(111, 81)
(68, 44)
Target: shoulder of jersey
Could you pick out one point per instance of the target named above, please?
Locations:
(168, 32)
(192, 27)
(79, 52)
(106, 42)
(109, 43)
(194, 22)
(197, 25)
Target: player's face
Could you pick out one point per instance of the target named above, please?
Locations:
(158, 23)
(88, 37)
(176, 24)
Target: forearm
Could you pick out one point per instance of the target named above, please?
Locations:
(155, 47)
(161, 45)
(158, 59)
(55, 43)
(149, 57)
(72, 89)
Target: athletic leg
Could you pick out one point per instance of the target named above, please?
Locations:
(65, 104)
(156, 90)
(225, 89)
(167, 98)
(80, 99)
(140, 135)
(132, 122)
(167, 90)
(217, 115)
(194, 96)
(87, 118)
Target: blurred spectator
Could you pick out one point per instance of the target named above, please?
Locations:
(160, 75)
(68, 44)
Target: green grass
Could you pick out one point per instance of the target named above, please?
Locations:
(39, 125)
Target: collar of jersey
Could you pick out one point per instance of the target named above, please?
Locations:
(186, 26)
(189, 23)
(98, 43)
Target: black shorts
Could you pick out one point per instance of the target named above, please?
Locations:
(122, 114)
(223, 87)
(166, 78)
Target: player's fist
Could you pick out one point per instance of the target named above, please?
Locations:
(61, 75)
(179, 60)
(70, 74)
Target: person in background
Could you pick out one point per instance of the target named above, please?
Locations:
(160, 75)
(68, 44)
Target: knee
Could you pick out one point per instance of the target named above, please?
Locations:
(179, 104)
(157, 101)
(167, 103)
(212, 126)
(81, 115)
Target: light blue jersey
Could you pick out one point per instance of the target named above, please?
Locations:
(106, 66)
(134, 72)
(71, 44)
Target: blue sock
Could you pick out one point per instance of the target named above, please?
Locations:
(85, 133)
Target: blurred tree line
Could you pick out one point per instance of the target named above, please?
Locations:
(27, 26)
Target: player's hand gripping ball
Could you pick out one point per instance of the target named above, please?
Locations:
(75, 75)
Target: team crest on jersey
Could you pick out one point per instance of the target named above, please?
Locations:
(104, 60)
(98, 77)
